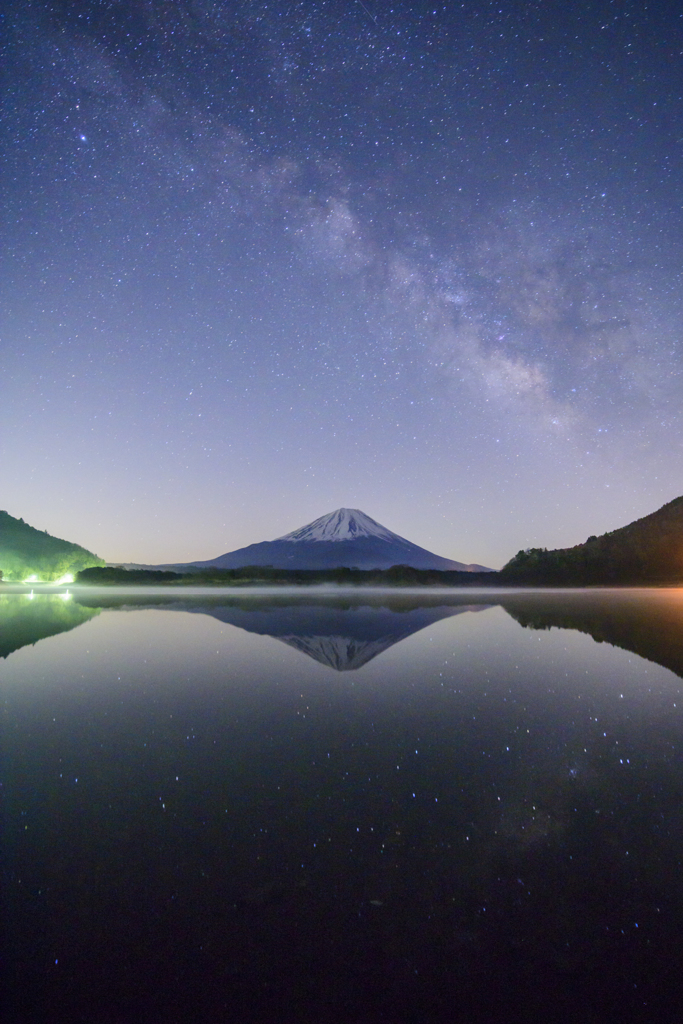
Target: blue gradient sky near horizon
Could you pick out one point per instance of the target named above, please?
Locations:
(263, 260)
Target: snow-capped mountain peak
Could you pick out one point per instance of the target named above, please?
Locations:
(343, 524)
(346, 538)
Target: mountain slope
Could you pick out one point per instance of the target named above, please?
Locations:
(345, 537)
(25, 552)
(649, 550)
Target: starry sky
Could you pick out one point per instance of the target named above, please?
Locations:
(266, 259)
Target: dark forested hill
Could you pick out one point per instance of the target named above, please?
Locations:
(650, 550)
(25, 552)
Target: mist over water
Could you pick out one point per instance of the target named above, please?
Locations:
(344, 807)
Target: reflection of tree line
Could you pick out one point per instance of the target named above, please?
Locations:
(26, 620)
(649, 623)
(347, 632)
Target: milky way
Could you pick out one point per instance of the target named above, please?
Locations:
(264, 260)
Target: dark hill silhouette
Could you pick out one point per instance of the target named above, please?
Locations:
(649, 550)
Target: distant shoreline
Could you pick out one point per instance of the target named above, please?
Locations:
(398, 576)
(322, 587)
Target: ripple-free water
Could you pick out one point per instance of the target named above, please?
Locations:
(344, 807)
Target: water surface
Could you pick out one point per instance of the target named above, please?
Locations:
(342, 806)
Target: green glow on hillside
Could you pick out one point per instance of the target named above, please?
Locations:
(28, 555)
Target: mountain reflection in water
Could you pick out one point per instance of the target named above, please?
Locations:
(342, 636)
(346, 630)
(484, 825)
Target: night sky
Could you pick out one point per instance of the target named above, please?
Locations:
(262, 260)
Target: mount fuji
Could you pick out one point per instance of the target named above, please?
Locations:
(344, 538)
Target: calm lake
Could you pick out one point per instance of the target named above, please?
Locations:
(342, 806)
